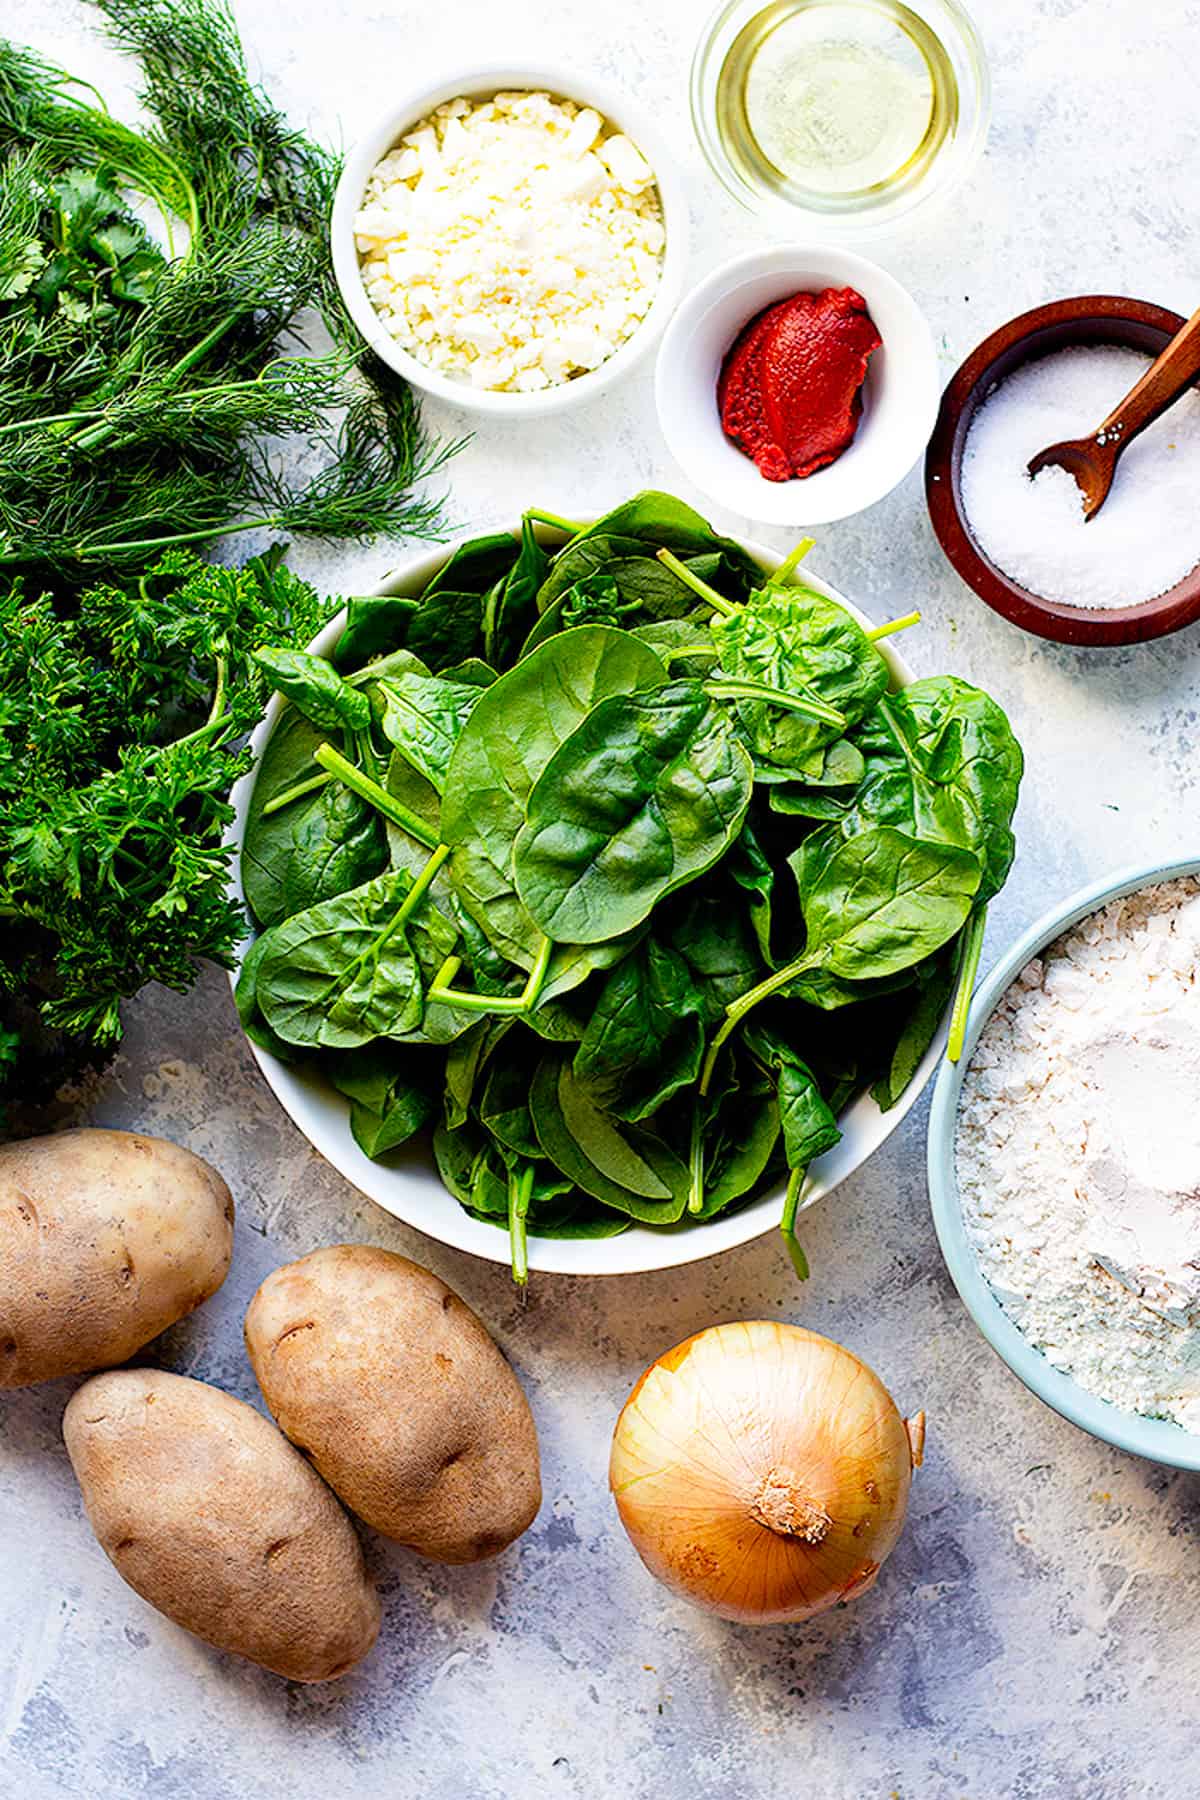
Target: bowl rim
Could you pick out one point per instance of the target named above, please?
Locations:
(1157, 1439)
(846, 266)
(478, 81)
(638, 1250)
(967, 388)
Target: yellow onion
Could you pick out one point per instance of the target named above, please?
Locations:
(763, 1472)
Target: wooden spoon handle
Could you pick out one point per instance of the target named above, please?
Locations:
(1161, 385)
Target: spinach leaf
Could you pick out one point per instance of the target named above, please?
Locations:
(375, 623)
(645, 795)
(344, 971)
(475, 565)
(391, 1095)
(316, 846)
(664, 522)
(943, 764)
(623, 1166)
(510, 606)
(795, 638)
(809, 1125)
(511, 735)
(423, 716)
(245, 998)
(645, 1037)
(751, 868)
(465, 1061)
(885, 901)
(935, 986)
(714, 937)
(446, 628)
(504, 1107)
(316, 689)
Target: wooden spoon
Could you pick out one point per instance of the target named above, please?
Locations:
(1093, 460)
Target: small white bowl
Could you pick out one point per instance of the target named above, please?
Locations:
(407, 1184)
(900, 396)
(479, 84)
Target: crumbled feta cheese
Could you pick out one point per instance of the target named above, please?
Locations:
(510, 243)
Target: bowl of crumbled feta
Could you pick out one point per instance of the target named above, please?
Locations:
(511, 243)
(1064, 1161)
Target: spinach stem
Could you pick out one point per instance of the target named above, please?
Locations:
(968, 969)
(296, 793)
(893, 625)
(572, 527)
(423, 883)
(787, 1224)
(378, 797)
(696, 1163)
(446, 973)
(735, 1013)
(680, 570)
(791, 562)
(520, 1193)
(532, 991)
(504, 1005)
(811, 707)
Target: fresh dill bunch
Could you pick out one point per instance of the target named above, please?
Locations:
(122, 730)
(138, 391)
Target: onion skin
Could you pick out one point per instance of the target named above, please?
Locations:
(762, 1472)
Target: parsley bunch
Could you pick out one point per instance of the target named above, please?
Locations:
(122, 728)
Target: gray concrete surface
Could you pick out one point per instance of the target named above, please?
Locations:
(1034, 1635)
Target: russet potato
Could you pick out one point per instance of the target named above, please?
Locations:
(106, 1238)
(209, 1513)
(393, 1387)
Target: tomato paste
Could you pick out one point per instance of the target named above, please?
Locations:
(790, 391)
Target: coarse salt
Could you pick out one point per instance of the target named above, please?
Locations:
(1145, 537)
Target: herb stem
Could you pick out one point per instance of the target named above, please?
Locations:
(787, 1224)
(894, 625)
(370, 791)
(681, 572)
(95, 435)
(520, 1193)
(218, 704)
(968, 969)
(296, 793)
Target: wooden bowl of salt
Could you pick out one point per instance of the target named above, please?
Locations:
(1017, 542)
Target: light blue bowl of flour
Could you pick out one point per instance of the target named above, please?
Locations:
(1157, 1439)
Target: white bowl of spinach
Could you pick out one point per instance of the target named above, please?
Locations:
(613, 886)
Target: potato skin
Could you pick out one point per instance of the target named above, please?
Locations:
(396, 1391)
(106, 1238)
(204, 1508)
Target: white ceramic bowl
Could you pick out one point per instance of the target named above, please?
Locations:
(1158, 1439)
(408, 1185)
(900, 396)
(481, 83)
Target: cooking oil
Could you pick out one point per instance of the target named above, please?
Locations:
(833, 103)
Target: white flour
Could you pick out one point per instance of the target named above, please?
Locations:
(1078, 1152)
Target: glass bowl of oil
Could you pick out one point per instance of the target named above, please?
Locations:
(841, 115)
